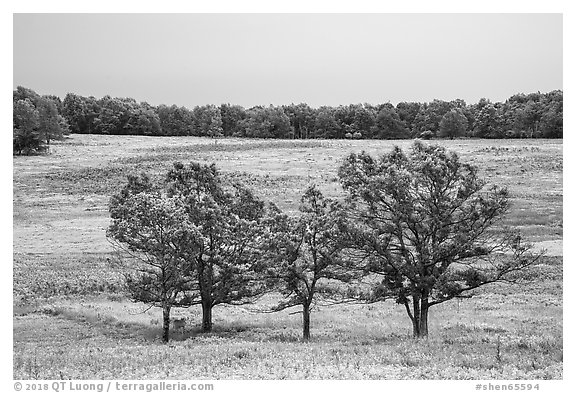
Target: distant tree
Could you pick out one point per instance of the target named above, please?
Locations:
(529, 117)
(306, 252)
(50, 125)
(553, 113)
(270, 122)
(407, 112)
(231, 116)
(143, 120)
(49, 120)
(389, 125)
(430, 115)
(208, 121)
(56, 100)
(422, 121)
(487, 123)
(355, 118)
(326, 126)
(552, 121)
(26, 136)
(453, 124)
(364, 120)
(175, 120)
(302, 118)
(113, 116)
(157, 241)
(80, 113)
(425, 223)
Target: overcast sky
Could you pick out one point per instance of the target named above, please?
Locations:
(261, 59)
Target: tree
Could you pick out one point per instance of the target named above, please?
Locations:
(227, 263)
(355, 118)
(26, 135)
(208, 121)
(152, 231)
(453, 124)
(407, 112)
(529, 118)
(487, 122)
(231, 116)
(364, 120)
(52, 125)
(424, 222)
(307, 254)
(302, 118)
(552, 122)
(270, 122)
(389, 125)
(430, 115)
(175, 120)
(56, 100)
(80, 113)
(113, 115)
(142, 120)
(325, 124)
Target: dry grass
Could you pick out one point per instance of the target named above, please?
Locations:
(70, 320)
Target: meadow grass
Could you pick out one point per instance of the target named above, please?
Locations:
(71, 319)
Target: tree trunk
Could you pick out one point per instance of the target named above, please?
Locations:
(416, 318)
(166, 324)
(205, 283)
(420, 317)
(206, 316)
(306, 322)
(424, 317)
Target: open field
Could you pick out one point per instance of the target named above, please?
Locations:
(71, 320)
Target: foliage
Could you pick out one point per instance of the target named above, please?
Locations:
(36, 121)
(26, 135)
(534, 115)
(302, 118)
(207, 121)
(306, 251)
(453, 124)
(227, 264)
(423, 223)
(153, 231)
(326, 126)
(389, 125)
(270, 122)
(193, 240)
(231, 116)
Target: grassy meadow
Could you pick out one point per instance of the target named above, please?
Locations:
(71, 320)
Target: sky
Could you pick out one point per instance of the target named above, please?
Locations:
(262, 59)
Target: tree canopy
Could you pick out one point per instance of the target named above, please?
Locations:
(425, 221)
(36, 121)
(306, 254)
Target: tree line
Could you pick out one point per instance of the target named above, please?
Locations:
(534, 115)
(413, 227)
(37, 120)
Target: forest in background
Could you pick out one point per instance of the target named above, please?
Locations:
(37, 119)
